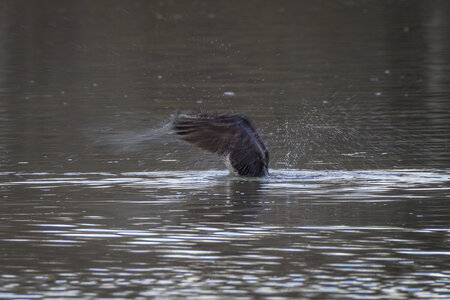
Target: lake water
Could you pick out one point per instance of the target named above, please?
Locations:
(98, 199)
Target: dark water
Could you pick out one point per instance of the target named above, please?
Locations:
(99, 201)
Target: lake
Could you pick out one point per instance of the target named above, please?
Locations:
(100, 200)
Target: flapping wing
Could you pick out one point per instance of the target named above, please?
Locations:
(222, 134)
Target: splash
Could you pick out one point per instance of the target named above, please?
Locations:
(133, 140)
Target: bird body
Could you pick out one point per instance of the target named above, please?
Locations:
(233, 137)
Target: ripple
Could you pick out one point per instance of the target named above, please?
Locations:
(353, 184)
(153, 226)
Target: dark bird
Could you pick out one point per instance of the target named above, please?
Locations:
(233, 137)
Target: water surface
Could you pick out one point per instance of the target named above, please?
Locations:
(98, 200)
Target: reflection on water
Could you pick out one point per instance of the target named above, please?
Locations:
(208, 233)
(98, 200)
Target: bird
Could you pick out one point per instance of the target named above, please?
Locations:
(233, 137)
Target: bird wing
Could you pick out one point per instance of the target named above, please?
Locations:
(222, 134)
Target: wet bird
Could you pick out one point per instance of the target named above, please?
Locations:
(233, 137)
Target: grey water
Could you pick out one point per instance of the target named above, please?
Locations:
(98, 199)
